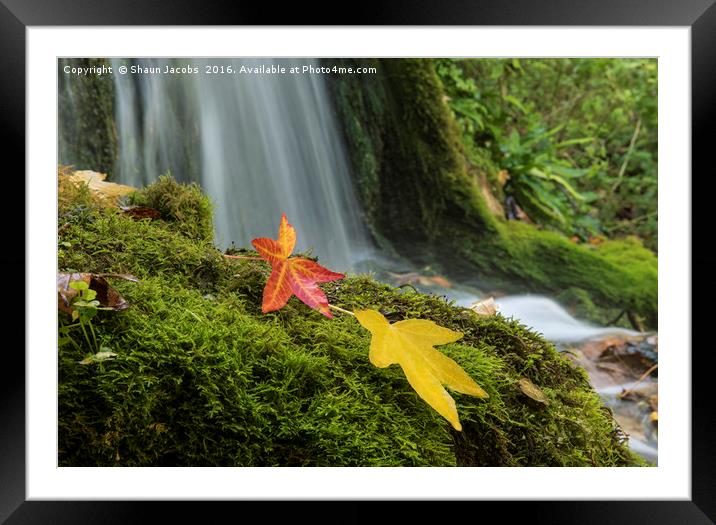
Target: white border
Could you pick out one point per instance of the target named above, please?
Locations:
(670, 480)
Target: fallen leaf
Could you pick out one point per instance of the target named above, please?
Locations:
(107, 296)
(485, 307)
(654, 417)
(409, 343)
(292, 276)
(159, 428)
(95, 182)
(97, 358)
(140, 212)
(532, 391)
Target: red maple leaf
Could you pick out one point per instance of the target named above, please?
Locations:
(295, 276)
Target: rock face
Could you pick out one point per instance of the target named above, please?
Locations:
(87, 130)
(200, 377)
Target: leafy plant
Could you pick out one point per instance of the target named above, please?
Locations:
(565, 129)
(80, 296)
(539, 179)
(84, 307)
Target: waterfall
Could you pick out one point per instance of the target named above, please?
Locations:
(258, 144)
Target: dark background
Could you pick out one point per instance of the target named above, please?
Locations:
(16, 15)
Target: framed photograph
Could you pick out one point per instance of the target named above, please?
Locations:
(441, 248)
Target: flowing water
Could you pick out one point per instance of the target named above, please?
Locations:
(549, 318)
(259, 144)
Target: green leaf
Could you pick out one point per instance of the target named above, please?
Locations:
(568, 172)
(559, 180)
(79, 285)
(512, 100)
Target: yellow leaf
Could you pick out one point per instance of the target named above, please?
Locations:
(409, 343)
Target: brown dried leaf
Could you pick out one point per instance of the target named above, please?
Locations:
(107, 296)
(140, 212)
(97, 358)
(532, 391)
(654, 402)
(485, 307)
(95, 181)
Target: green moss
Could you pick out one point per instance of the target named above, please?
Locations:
(202, 377)
(72, 195)
(87, 130)
(183, 205)
(617, 274)
(405, 150)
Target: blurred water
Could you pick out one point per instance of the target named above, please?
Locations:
(549, 318)
(259, 145)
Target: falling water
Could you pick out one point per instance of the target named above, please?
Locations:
(258, 144)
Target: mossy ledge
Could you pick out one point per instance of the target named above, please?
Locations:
(203, 378)
(421, 194)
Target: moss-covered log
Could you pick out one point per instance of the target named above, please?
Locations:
(203, 378)
(422, 196)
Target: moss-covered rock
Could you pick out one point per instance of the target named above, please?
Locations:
(184, 206)
(422, 196)
(86, 123)
(202, 377)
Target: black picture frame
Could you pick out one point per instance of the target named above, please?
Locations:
(17, 15)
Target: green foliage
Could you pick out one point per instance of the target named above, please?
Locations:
(84, 307)
(201, 378)
(73, 197)
(577, 136)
